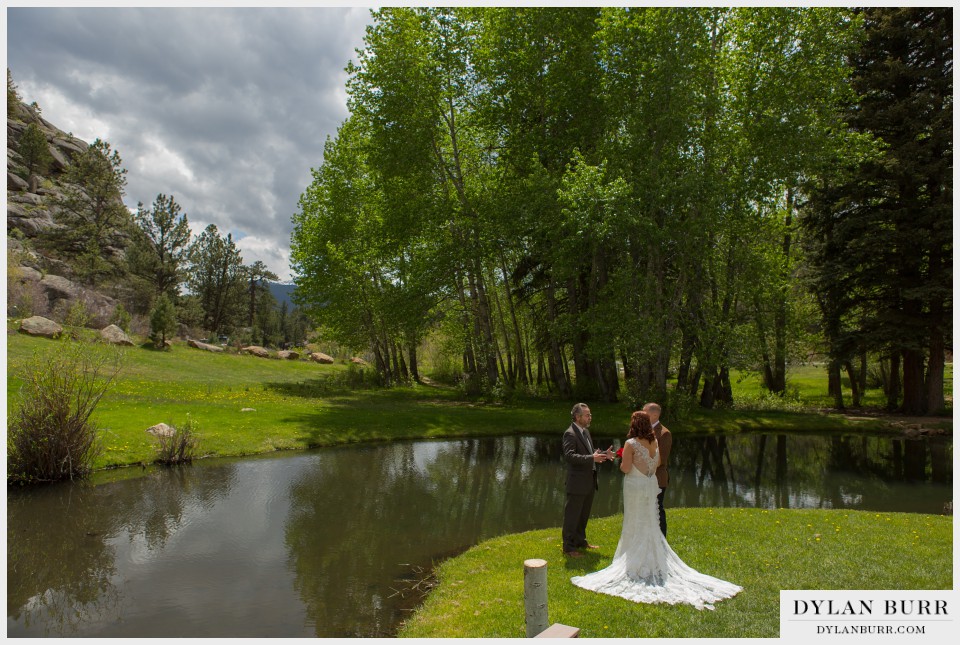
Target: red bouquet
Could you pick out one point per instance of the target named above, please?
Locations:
(620, 452)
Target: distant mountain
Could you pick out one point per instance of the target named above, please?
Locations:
(282, 292)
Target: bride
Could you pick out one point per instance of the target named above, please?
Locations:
(644, 567)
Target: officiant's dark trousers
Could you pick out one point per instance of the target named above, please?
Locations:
(576, 512)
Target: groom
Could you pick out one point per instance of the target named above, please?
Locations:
(581, 458)
(665, 441)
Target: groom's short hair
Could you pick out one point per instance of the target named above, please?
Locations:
(577, 410)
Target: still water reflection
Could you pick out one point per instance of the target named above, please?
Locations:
(319, 543)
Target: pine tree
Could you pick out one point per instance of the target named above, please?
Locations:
(35, 151)
(91, 211)
(13, 97)
(258, 276)
(159, 248)
(880, 238)
(163, 321)
(217, 277)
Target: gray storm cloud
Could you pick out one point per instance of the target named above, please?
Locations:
(226, 109)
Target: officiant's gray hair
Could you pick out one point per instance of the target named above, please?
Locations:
(577, 410)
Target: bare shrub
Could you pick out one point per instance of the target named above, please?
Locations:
(50, 432)
(178, 448)
(78, 315)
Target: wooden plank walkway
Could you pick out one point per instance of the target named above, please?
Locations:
(558, 630)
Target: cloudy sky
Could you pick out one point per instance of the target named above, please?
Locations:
(227, 109)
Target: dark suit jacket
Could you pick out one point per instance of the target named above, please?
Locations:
(581, 476)
(665, 440)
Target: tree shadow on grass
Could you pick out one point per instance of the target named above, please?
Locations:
(326, 386)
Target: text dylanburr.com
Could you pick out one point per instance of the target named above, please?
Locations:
(884, 616)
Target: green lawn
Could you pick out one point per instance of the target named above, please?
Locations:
(300, 404)
(807, 386)
(480, 593)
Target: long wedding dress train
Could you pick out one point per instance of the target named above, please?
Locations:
(644, 567)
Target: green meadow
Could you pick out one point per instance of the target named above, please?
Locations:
(245, 405)
(480, 593)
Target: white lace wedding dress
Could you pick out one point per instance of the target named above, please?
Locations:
(645, 568)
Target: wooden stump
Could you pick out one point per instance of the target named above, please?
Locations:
(535, 596)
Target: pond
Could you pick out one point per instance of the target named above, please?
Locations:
(330, 542)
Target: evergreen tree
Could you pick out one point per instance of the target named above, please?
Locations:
(35, 151)
(880, 231)
(159, 248)
(283, 323)
(91, 211)
(163, 321)
(257, 277)
(266, 324)
(217, 277)
(298, 324)
(13, 97)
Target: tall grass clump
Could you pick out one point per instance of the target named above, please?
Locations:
(179, 447)
(50, 433)
(766, 400)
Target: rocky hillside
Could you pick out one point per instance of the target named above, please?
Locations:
(41, 281)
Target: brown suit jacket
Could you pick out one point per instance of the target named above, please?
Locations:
(665, 441)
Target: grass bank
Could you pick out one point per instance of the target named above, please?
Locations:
(480, 593)
(246, 405)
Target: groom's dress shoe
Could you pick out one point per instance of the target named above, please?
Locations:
(592, 546)
(573, 554)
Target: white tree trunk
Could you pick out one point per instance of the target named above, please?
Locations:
(535, 596)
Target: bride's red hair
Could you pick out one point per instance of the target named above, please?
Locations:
(640, 426)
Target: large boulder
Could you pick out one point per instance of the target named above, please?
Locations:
(288, 355)
(60, 288)
(28, 220)
(30, 199)
(358, 361)
(15, 182)
(256, 350)
(40, 326)
(116, 336)
(204, 346)
(70, 145)
(26, 274)
(320, 357)
(64, 293)
(161, 430)
(60, 160)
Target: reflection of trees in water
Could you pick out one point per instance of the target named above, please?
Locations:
(364, 516)
(941, 462)
(791, 470)
(892, 459)
(60, 567)
(155, 506)
(340, 534)
(435, 499)
(58, 564)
